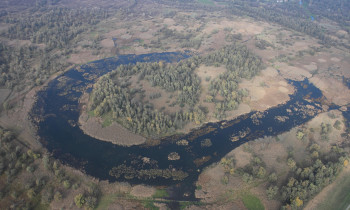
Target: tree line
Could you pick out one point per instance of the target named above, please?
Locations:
(55, 27)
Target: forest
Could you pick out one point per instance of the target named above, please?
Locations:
(51, 32)
(112, 94)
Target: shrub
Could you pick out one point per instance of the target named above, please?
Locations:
(79, 200)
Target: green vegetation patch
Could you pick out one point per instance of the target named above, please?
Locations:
(149, 204)
(252, 202)
(107, 119)
(160, 193)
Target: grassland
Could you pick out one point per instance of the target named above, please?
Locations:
(252, 202)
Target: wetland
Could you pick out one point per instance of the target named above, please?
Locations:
(176, 159)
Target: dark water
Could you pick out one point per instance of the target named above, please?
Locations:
(346, 82)
(56, 114)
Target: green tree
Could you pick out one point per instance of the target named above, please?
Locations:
(79, 200)
(271, 192)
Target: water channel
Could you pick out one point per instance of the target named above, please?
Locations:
(56, 115)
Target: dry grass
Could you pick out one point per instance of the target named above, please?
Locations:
(267, 90)
(161, 103)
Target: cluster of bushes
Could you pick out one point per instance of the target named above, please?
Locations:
(305, 182)
(256, 169)
(129, 172)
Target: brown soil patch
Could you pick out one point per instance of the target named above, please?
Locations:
(142, 191)
(311, 67)
(115, 33)
(292, 72)
(161, 103)
(108, 43)
(17, 42)
(334, 90)
(267, 90)
(120, 204)
(334, 59)
(83, 56)
(244, 26)
(210, 180)
(242, 156)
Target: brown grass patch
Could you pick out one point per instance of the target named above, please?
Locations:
(267, 90)
(334, 90)
(161, 103)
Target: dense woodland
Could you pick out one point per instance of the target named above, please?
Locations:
(55, 28)
(50, 33)
(112, 93)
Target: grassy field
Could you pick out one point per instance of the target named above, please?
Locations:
(339, 198)
(160, 193)
(251, 202)
(106, 200)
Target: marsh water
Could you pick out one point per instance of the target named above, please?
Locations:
(56, 115)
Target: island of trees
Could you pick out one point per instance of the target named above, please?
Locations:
(117, 94)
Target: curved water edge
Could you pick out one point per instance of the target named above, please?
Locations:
(56, 115)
